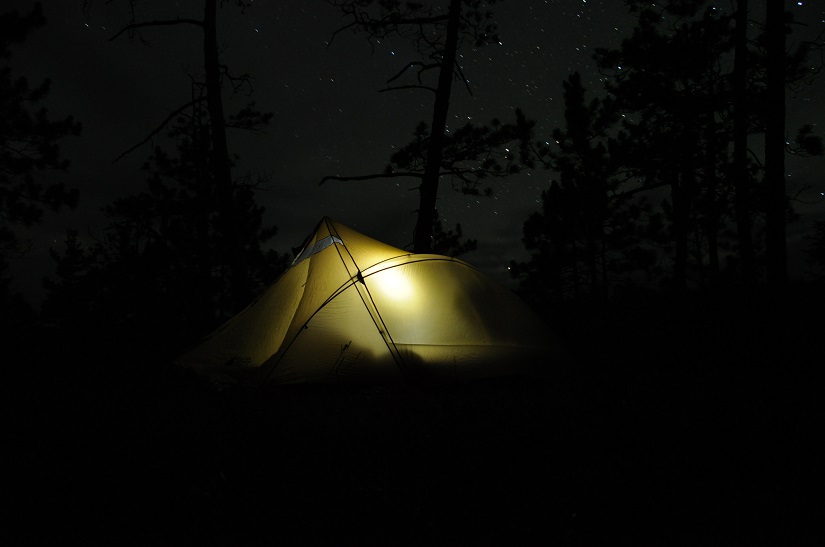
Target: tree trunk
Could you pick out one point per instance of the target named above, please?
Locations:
(712, 237)
(605, 281)
(422, 238)
(698, 252)
(776, 204)
(742, 185)
(590, 252)
(576, 289)
(681, 216)
(712, 209)
(203, 189)
(229, 246)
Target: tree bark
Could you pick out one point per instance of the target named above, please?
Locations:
(711, 223)
(742, 184)
(428, 191)
(681, 217)
(221, 165)
(203, 189)
(776, 199)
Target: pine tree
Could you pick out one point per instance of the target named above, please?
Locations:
(437, 33)
(159, 267)
(215, 76)
(29, 150)
(588, 232)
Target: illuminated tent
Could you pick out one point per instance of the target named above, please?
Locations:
(351, 308)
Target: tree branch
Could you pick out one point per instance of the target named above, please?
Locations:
(463, 79)
(385, 23)
(334, 34)
(396, 88)
(372, 177)
(422, 68)
(133, 26)
(159, 128)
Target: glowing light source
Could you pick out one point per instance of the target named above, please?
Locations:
(393, 283)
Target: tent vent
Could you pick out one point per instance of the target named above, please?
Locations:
(317, 247)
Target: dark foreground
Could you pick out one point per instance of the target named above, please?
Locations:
(689, 423)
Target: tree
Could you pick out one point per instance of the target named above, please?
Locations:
(448, 242)
(215, 75)
(589, 229)
(159, 266)
(741, 127)
(29, 148)
(667, 82)
(776, 199)
(687, 110)
(815, 251)
(74, 296)
(437, 34)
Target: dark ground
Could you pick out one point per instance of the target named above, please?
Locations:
(678, 423)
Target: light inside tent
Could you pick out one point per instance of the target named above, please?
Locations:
(393, 283)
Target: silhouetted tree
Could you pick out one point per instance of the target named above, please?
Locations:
(215, 75)
(815, 251)
(743, 187)
(73, 297)
(448, 242)
(667, 81)
(588, 232)
(437, 33)
(685, 111)
(28, 149)
(776, 202)
(159, 265)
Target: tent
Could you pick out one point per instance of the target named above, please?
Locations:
(351, 308)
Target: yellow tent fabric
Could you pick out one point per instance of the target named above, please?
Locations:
(351, 308)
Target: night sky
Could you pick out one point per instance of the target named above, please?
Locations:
(328, 116)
